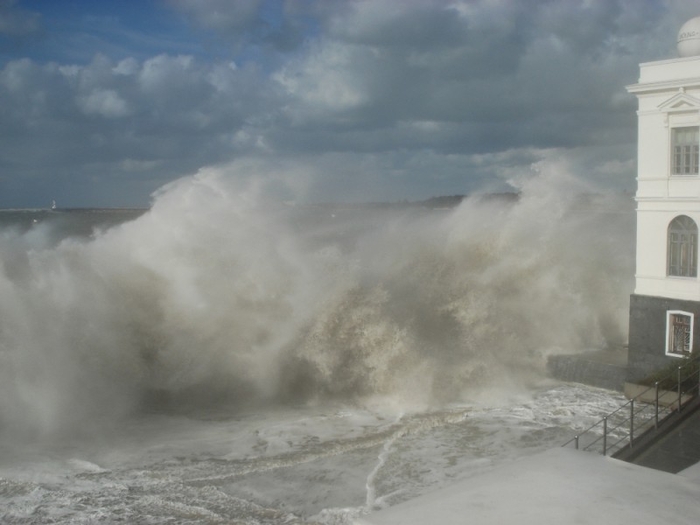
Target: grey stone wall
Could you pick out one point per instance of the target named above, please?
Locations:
(581, 369)
(647, 334)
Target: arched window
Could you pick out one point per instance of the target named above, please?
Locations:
(683, 247)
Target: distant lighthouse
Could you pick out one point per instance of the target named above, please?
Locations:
(665, 306)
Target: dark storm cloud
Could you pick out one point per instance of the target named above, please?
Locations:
(477, 78)
(377, 99)
(491, 65)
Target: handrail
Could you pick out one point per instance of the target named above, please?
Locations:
(621, 427)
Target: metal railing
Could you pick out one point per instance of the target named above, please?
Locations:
(646, 410)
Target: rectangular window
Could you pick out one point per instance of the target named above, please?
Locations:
(685, 148)
(681, 254)
(679, 333)
(682, 247)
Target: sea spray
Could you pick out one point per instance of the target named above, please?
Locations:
(215, 296)
(446, 305)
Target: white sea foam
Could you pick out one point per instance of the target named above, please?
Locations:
(215, 470)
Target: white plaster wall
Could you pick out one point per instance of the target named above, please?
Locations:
(682, 187)
(653, 154)
(660, 195)
(651, 278)
(669, 70)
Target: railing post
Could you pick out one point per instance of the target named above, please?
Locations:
(605, 436)
(656, 406)
(679, 389)
(631, 421)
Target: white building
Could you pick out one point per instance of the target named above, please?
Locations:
(665, 306)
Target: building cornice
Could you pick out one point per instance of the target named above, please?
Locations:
(669, 85)
(645, 205)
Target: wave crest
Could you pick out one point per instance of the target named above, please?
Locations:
(213, 296)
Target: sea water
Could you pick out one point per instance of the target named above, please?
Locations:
(221, 359)
(317, 464)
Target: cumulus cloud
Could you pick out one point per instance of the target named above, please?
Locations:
(105, 102)
(373, 99)
(174, 114)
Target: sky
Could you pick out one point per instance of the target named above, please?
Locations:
(103, 103)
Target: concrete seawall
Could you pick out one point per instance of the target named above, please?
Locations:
(603, 369)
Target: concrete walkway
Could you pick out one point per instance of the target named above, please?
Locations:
(677, 450)
(556, 487)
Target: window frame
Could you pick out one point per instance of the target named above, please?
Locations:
(684, 163)
(671, 316)
(682, 247)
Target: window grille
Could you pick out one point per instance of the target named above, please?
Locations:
(679, 333)
(686, 149)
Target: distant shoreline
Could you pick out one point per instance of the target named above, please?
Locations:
(59, 210)
(440, 202)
